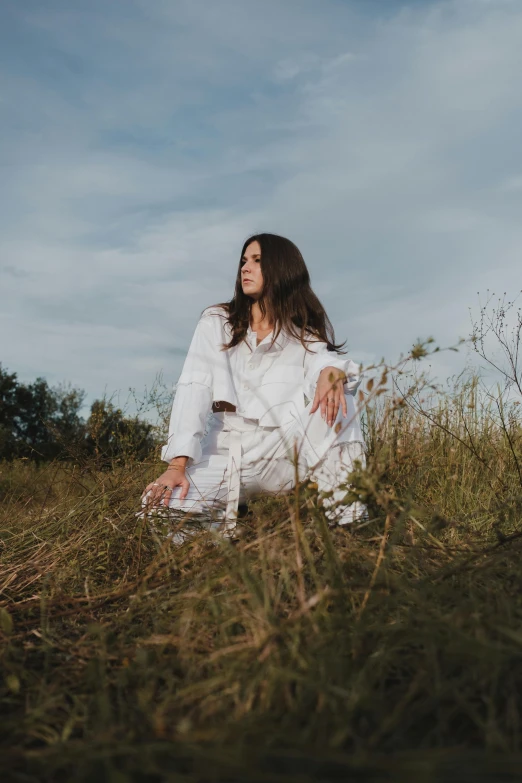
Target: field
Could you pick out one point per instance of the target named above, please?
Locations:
(388, 651)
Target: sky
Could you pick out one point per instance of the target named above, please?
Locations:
(142, 141)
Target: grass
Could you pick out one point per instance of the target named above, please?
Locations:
(387, 651)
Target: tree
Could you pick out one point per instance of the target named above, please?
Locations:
(8, 410)
(41, 422)
(111, 436)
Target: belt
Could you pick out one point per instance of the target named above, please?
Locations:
(233, 479)
(236, 426)
(222, 407)
(233, 467)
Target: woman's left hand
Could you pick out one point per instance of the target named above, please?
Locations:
(329, 394)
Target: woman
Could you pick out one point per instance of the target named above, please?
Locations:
(281, 396)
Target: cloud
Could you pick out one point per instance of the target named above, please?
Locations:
(12, 271)
(144, 142)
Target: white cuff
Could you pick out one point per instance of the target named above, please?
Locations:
(331, 359)
(188, 448)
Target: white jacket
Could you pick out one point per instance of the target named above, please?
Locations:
(265, 382)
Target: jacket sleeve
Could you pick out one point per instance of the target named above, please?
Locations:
(193, 399)
(320, 358)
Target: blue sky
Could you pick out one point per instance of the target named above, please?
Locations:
(142, 141)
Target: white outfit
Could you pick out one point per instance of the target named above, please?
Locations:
(235, 455)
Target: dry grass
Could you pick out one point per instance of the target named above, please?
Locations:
(300, 652)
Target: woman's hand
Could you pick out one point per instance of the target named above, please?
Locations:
(161, 489)
(329, 394)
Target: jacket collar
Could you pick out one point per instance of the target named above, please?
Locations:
(266, 344)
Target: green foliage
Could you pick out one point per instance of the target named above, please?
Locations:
(112, 436)
(42, 423)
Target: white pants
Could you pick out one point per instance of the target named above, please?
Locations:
(241, 459)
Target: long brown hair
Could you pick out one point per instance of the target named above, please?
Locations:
(287, 296)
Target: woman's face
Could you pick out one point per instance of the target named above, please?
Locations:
(251, 275)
